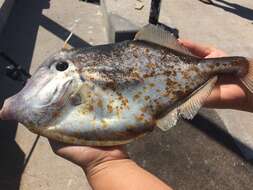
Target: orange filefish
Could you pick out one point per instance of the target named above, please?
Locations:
(111, 94)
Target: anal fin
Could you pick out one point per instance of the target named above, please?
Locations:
(168, 121)
(189, 108)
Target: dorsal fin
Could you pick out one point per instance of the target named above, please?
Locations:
(159, 36)
(189, 108)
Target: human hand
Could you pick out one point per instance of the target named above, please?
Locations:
(229, 91)
(109, 168)
(88, 157)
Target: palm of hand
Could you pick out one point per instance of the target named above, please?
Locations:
(86, 156)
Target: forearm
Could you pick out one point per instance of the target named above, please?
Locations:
(124, 175)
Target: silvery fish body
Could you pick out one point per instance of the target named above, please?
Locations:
(110, 94)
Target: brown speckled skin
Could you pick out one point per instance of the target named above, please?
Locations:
(130, 64)
(116, 92)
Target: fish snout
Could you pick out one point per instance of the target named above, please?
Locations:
(7, 112)
(13, 108)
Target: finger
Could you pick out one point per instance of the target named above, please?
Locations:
(228, 93)
(63, 149)
(57, 145)
(216, 53)
(196, 49)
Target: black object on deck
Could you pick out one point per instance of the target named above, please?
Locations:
(154, 11)
(154, 18)
(13, 70)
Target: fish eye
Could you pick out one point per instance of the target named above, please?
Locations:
(61, 66)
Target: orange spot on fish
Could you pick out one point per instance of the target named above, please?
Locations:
(140, 117)
(125, 102)
(90, 108)
(130, 126)
(147, 98)
(136, 97)
(100, 103)
(144, 109)
(151, 65)
(109, 108)
(146, 50)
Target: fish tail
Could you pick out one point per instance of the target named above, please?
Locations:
(239, 66)
(247, 79)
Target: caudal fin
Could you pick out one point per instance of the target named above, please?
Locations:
(247, 80)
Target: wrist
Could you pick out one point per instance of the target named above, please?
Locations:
(103, 159)
(99, 169)
(122, 174)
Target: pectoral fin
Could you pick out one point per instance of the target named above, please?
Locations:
(189, 108)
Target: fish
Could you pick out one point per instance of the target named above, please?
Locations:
(111, 94)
